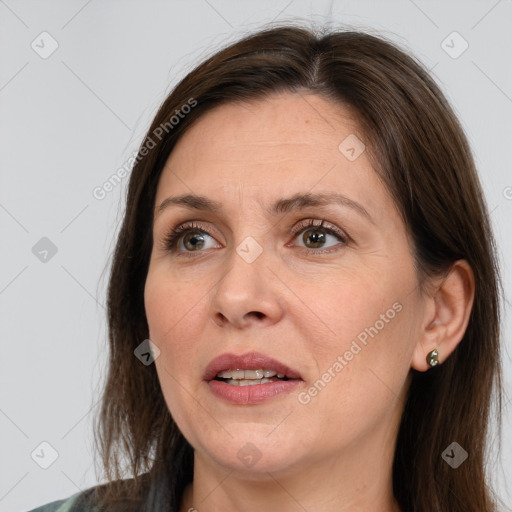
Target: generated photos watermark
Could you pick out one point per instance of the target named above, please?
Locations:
(101, 191)
(342, 361)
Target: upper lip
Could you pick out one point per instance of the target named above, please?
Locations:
(248, 361)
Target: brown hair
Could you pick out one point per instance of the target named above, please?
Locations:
(419, 150)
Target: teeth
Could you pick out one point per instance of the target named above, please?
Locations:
(235, 382)
(248, 374)
(253, 374)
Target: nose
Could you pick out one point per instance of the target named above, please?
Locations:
(248, 293)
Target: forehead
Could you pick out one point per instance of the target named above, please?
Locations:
(277, 125)
(273, 146)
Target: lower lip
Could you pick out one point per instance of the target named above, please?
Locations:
(254, 394)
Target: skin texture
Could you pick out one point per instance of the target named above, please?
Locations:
(303, 308)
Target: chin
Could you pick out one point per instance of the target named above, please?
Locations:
(255, 454)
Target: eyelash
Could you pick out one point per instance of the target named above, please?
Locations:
(170, 240)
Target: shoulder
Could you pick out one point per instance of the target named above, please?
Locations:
(121, 498)
(64, 505)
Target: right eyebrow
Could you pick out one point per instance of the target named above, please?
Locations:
(191, 201)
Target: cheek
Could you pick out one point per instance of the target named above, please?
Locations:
(175, 314)
(362, 340)
(169, 303)
(361, 374)
(358, 305)
(176, 318)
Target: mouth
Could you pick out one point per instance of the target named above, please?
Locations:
(250, 379)
(248, 370)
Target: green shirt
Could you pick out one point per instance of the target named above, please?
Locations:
(155, 495)
(58, 506)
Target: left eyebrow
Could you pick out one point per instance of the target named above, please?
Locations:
(298, 201)
(301, 201)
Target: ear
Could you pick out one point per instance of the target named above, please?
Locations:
(448, 309)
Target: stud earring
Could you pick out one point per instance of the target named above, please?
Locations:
(432, 358)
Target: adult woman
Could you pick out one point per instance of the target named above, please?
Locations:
(381, 344)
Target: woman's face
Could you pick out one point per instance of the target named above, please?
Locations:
(339, 305)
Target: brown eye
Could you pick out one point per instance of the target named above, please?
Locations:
(319, 238)
(188, 238)
(193, 240)
(313, 237)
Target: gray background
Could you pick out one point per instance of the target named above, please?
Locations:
(70, 120)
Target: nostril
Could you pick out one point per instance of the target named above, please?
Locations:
(219, 319)
(257, 314)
